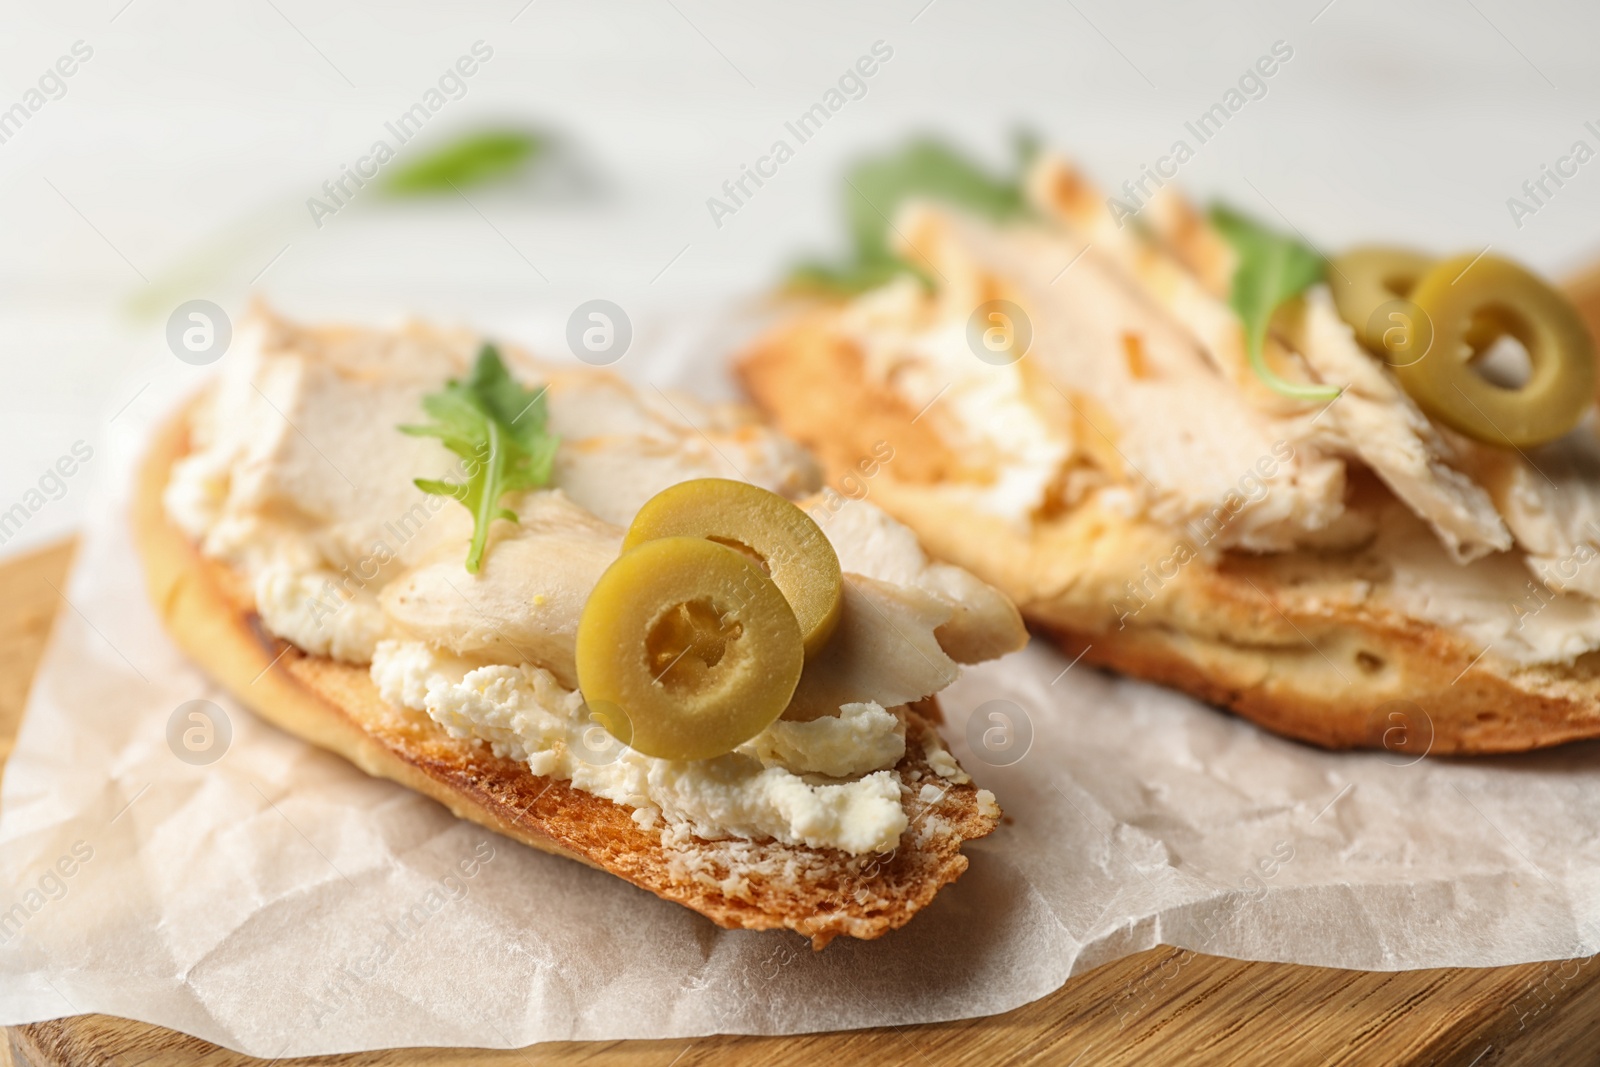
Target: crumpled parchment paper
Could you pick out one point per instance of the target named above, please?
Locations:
(217, 876)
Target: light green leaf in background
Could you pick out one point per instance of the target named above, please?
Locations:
(473, 159)
(876, 187)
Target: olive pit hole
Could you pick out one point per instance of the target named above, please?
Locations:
(1399, 284)
(1499, 338)
(687, 641)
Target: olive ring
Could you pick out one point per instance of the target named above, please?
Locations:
(1472, 302)
(1429, 321)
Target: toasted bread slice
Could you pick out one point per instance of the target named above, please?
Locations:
(821, 893)
(1293, 641)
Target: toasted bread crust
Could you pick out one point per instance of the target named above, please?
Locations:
(820, 893)
(1280, 640)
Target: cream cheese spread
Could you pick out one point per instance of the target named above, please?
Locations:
(813, 783)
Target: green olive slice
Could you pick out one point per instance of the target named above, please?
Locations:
(688, 648)
(785, 541)
(1474, 300)
(1371, 287)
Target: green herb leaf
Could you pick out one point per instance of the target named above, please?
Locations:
(876, 187)
(497, 427)
(865, 271)
(1273, 269)
(467, 161)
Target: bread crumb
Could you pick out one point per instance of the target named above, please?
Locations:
(945, 765)
(987, 806)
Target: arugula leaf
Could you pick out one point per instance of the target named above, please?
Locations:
(498, 429)
(865, 271)
(1273, 269)
(467, 161)
(876, 187)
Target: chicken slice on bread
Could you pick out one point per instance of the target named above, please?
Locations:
(290, 553)
(1351, 574)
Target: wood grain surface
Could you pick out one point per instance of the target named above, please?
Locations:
(1164, 1006)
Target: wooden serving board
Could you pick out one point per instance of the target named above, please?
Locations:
(1191, 1008)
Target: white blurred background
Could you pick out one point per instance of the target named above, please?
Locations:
(177, 163)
